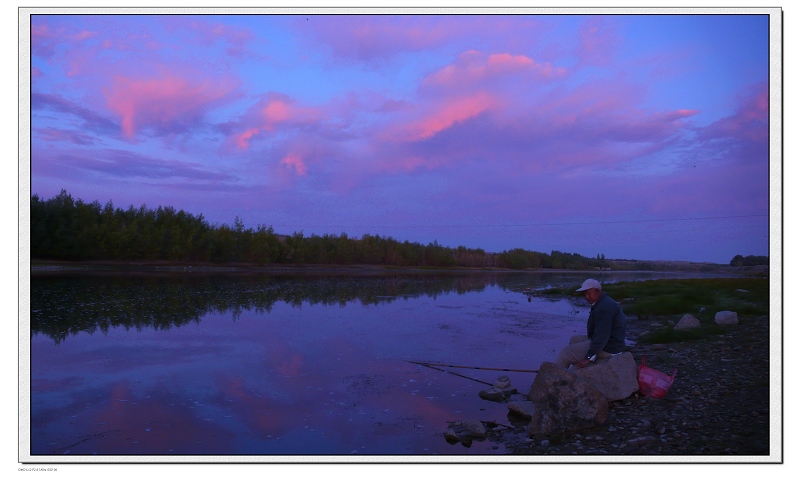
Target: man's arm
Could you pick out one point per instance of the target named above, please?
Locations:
(603, 319)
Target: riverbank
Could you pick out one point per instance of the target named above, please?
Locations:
(718, 406)
(38, 266)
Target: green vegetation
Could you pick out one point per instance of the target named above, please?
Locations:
(63, 228)
(677, 297)
(750, 260)
(663, 300)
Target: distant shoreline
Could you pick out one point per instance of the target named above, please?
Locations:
(54, 266)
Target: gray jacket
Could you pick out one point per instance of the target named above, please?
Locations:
(606, 327)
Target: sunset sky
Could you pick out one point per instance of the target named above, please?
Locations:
(633, 136)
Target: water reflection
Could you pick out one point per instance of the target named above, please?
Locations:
(266, 365)
(66, 304)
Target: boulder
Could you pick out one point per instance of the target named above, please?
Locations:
(687, 322)
(564, 402)
(616, 377)
(726, 318)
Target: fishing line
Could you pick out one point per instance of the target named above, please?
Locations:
(424, 363)
(450, 372)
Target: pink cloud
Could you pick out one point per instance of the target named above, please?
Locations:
(169, 104)
(505, 58)
(750, 121)
(372, 38)
(243, 139)
(276, 112)
(596, 126)
(295, 161)
(443, 117)
(43, 39)
(603, 112)
(84, 35)
(271, 114)
(476, 67)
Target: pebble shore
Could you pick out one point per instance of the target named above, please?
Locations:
(719, 404)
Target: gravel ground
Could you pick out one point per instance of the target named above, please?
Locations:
(719, 404)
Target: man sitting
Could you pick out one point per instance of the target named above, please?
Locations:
(605, 330)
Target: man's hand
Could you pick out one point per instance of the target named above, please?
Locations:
(583, 363)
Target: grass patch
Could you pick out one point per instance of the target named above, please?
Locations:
(677, 297)
(671, 299)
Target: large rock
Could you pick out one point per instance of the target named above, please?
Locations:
(564, 402)
(616, 377)
(687, 322)
(726, 318)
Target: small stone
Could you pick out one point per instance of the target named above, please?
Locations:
(473, 428)
(493, 394)
(726, 318)
(451, 436)
(687, 322)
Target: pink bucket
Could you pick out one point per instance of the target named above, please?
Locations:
(654, 383)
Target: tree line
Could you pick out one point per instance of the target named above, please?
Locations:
(63, 228)
(750, 260)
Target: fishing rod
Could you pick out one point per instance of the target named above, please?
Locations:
(424, 363)
(428, 365)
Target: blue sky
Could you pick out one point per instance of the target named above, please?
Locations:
(632, 136)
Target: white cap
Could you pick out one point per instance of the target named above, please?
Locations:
(590, 283)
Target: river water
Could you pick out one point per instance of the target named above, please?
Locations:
(312, 364)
